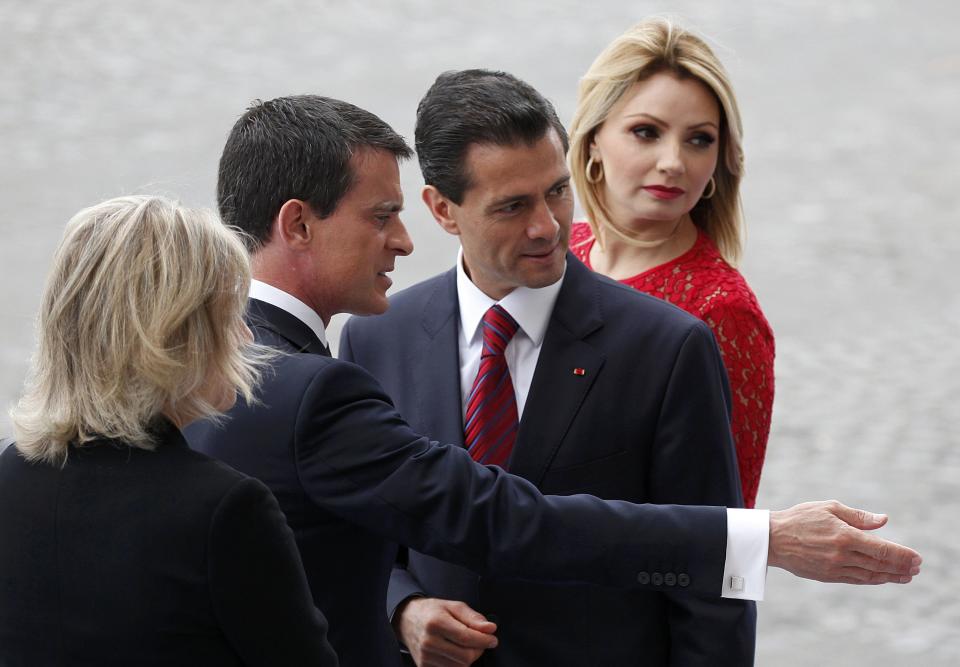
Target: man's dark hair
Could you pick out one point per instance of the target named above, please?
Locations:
(294, 148)
(476, 106)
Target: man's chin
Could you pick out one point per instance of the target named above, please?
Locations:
(545, 277)
(374, 307)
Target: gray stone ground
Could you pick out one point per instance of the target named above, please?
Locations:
(853, 148)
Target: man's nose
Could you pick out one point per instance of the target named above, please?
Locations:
(399, 240)
(542, 223)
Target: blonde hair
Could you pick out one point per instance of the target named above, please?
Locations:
(141, 310)
(658, 45)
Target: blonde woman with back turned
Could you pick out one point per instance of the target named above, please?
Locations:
(656, 157)
(118, 544)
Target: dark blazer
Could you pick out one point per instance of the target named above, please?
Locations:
(131, 557)
(352, 477)
(648, 422)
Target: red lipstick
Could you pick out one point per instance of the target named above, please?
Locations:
(663, 192)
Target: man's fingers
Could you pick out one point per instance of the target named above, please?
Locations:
(863, 576)
(471, 618)
(467, 637)
(877, 555)
(861, 519)
(456, 624)
(432, 630)
(888, 556)
(450, 644)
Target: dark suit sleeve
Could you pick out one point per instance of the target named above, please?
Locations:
(357, 458)
(693, 461)
(259, 590)
(403, 585)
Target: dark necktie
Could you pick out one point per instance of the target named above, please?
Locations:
(490, 423)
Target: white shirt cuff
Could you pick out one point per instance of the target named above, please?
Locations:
(748, 541)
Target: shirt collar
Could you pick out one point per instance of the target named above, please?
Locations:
(530, 307)
(277, 297)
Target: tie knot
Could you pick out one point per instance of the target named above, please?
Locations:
(498, 329)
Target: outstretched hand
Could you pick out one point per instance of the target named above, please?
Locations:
(825, 541)
(443, 633)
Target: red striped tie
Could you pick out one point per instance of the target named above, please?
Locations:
(490, 423)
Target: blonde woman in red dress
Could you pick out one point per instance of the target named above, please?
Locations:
(656, 157)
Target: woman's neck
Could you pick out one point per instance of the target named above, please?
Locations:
(620, 259)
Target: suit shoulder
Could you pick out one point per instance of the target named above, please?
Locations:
(296, 381)
(296, 374)
(265, 336)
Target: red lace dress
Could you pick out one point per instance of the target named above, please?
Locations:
(702, 283)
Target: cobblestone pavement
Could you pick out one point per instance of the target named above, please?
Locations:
(853, 149)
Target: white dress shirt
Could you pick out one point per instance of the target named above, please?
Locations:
(267, 293)
(531, 308)
(748, 531)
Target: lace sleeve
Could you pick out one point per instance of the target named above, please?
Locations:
(747, 346)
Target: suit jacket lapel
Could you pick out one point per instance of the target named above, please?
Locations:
(558, 387)
(437, 360)
(287, 326)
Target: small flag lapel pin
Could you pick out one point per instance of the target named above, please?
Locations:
(579, 371)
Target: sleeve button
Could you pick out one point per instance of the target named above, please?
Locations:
(670, 579)
(657, 579)
(683, 580)
(643, 578)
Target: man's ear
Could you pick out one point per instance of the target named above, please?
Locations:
(292, 226)
(441, 208)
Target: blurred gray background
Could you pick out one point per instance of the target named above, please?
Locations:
(852, 116)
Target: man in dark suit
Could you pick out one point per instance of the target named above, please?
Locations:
(315, 185)
(629, 399)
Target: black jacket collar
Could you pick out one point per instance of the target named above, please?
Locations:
(289, 327)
